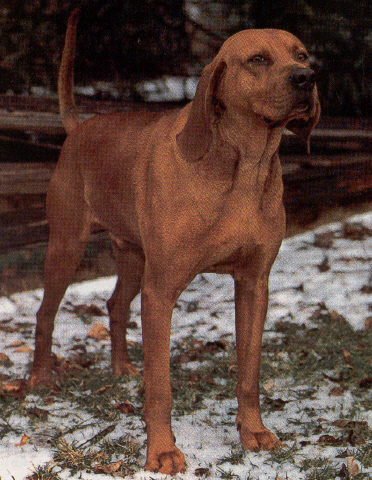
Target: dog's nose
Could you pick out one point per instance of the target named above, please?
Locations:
(303, 79)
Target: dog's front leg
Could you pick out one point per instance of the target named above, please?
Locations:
(158, 299)
(251, 295)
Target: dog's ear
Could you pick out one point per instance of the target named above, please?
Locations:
(303, 128)
(195, 138)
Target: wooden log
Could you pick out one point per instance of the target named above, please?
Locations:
(25, 178)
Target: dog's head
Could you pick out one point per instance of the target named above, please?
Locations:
(261, 74)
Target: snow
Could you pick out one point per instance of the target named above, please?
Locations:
(297, 286)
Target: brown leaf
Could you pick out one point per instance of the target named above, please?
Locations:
(108, 469)
(352, 466)
(324, 265)
(275, 403)
(5, 360)
(356, 425)
(17, 343)
(324, 240)
(343, 472)
(23, 441)
(365, 383)
(125, 407)
(354, 439)
(15, 388)
(99, 332)
(24, 349)
(216, 345)
(202, 472)
(269, 386)
(368, 324)
(6, 328)
(91, 310)
(366, 289)
(189, 356)
(38, 413)
(328, 439)
(337, 391)
(355, 231)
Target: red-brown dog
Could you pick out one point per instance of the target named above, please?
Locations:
(193, 190)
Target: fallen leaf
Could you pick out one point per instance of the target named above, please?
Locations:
(355, 231)
(23, 441)
(352, 466)
(99, 332)
(17, 343)
(324, 240)
(366, 289)
(269, 386)
(24, 349)
(357, 425)
(276, 403)
(91, 310)
(324, 266)
(202, 472)
(216, 345)
(189, 356)
(125, 407)
(337, 391)
(15, 388)
(354, 439)
(368, 324)
(109, 468)
(5, 360)
(38, 413)
(328, 439)
(365, 383)
(343, 473)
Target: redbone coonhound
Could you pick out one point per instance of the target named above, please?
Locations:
(183, 192)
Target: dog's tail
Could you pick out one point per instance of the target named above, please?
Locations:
(70, 118)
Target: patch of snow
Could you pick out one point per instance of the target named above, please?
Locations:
(205, 311)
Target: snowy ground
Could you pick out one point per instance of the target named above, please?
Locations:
(331, 265)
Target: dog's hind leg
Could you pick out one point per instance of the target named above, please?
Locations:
(130, 264)
(69, 228)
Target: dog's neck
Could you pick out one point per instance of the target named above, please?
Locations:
(255, 145)
(254, 139)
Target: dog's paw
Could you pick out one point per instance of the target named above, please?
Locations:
(168, 463)
(256, 441)
(39, 381)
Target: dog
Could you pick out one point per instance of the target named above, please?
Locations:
(197, 189)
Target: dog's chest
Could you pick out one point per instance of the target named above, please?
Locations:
(241, 229)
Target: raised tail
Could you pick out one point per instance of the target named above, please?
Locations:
(67, 107)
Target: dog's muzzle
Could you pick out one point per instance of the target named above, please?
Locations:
(303, 80)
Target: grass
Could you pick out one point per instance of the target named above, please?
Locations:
(88, 403)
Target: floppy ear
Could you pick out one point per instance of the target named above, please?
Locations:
(195, 138)
(303, 128)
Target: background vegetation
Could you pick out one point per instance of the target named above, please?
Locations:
(125, 41)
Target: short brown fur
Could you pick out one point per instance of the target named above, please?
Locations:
(193, 190)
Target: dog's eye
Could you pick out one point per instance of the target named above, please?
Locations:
(302, 57)
(258, 60)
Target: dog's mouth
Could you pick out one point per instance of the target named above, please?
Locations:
(300, 111)
(272, 123)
